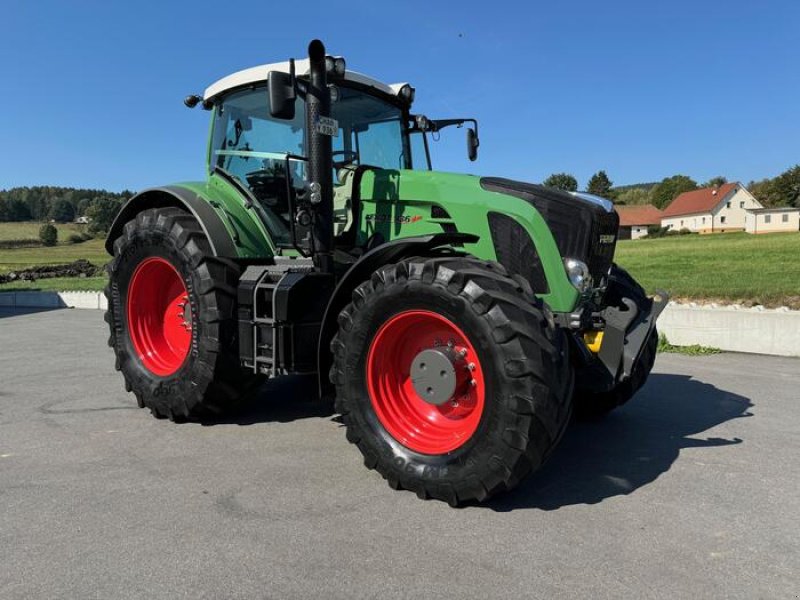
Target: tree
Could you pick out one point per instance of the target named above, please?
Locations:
(670, 188)
(17, 210)
(81, 207)
(102, 212)
(62, 211)
(600, 185)
(633, 196)
(785, 188)
(561, 181)
(3, 210)
(715, 182)
(48, 234)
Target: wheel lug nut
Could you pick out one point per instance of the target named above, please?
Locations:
(463, 352)
(473, 383)
(471, 366)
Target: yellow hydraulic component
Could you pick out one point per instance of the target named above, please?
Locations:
(593, 340)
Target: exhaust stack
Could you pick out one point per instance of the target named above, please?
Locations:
(320, 161)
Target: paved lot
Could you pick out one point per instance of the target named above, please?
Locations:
(691, 491)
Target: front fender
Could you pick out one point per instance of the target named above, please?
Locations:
(179, 197)
(390, 252)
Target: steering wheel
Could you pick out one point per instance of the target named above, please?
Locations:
(348, 158)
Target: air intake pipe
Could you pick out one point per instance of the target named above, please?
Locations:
(320, 161)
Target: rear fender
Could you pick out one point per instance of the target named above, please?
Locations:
(221, 242)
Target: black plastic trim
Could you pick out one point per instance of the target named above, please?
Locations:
(222, 244)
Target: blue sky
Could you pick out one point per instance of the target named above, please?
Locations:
(92, 90)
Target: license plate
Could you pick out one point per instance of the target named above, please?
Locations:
(327, 126)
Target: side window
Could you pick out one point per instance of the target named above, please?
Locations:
(741, 204)
(419, 155)
(767, 218)
(784, 218)
(380, 145)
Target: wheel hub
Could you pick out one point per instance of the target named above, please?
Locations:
(438, 374)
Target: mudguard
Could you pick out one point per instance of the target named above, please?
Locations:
(387, 253)
(221, 242)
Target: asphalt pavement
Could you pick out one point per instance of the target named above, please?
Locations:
(690, 491)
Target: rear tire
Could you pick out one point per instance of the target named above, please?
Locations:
(491, 433)
(172, 318)
(595, 405)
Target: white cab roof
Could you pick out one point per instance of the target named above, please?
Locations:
(260, 73)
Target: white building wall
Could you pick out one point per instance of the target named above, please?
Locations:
(700, 222)
(731, 211)
(638, 231)
(757, 222)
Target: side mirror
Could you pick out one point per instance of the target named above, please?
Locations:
(472, 144)
(281, 95)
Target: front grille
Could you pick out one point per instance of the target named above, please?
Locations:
(601, 252)
(580, 227)
(515, 251)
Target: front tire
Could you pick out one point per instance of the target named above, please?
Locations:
(504, 400)
(172, 318)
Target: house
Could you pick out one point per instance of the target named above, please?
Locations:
(710, 210)
(634, 220)
(82, 220)
(769, 220)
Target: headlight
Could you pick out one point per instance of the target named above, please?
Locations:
(578, 274)
(406, 93)
(335, 65)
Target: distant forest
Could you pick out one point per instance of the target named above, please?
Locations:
(61, 204)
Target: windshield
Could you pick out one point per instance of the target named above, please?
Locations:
(251, 146)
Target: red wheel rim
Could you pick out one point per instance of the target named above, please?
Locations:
(159, 316)
(419, 425)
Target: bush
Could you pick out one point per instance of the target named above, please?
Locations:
(685, 231)
(85, 236)
(48, 234)
(656, 231)
(76, 238)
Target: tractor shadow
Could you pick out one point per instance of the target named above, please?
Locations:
(280, 400)
(631, 447)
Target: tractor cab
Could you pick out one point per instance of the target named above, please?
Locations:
(259, 141)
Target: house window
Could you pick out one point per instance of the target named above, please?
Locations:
(767, 218)
(704, 221)
(741, 204)
(727, 205)
(681, 222)
(785, 218)
(722, 219)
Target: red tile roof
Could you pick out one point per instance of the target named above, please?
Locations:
(698, 201)
(645, 214)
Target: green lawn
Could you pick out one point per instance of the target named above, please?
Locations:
(729, 267)
(57, 284)
(21, 258)
(29, 230)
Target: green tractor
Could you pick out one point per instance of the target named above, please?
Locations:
(455, 319)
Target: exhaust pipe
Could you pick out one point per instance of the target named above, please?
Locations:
(320, 161)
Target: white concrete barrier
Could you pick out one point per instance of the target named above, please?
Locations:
(757, 330)
(96, 300)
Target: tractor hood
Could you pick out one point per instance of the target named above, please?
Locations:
(584, 226)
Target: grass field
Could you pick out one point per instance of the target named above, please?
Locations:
(21, 258)
(728, 267)
(29, 230)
